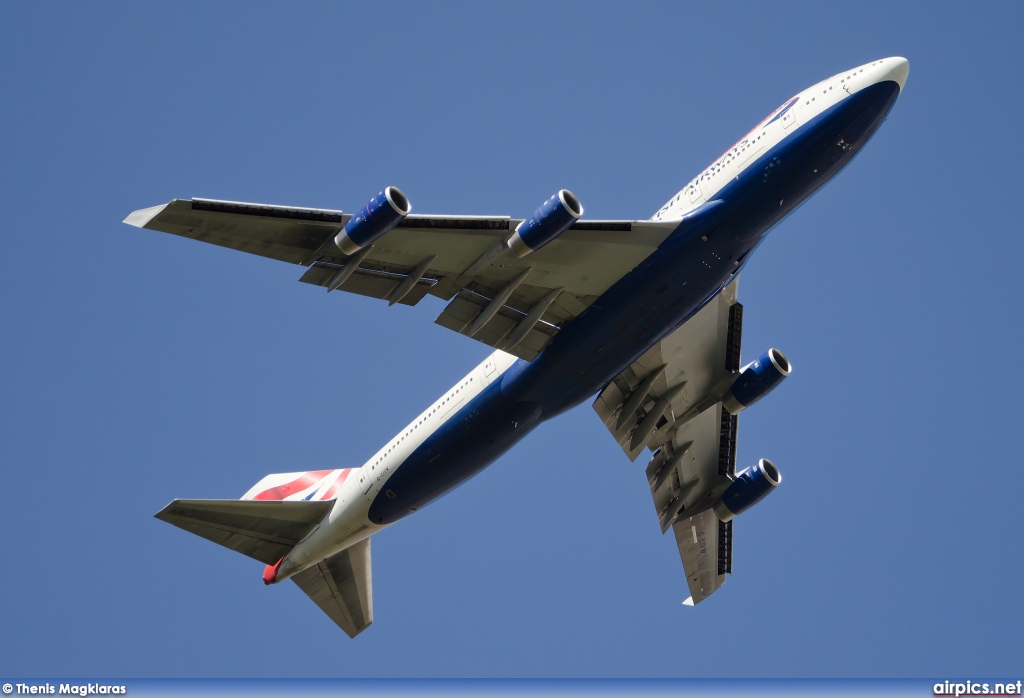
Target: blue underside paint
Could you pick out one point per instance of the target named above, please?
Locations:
(643, 307)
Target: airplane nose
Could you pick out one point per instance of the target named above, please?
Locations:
(896, 69)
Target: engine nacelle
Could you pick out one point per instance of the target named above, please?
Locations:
(749, 488)
(548, 222)
(756, 380)
(384, 212)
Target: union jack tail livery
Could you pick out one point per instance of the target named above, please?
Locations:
(313, 485)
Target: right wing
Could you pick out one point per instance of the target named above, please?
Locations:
(513, 304)
(669, 400)
(342, 587)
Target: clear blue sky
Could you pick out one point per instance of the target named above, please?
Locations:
(139, 367)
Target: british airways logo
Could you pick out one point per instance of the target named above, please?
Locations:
(730, 156)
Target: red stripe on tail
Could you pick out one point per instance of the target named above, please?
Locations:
(337, 483)
(304, 481)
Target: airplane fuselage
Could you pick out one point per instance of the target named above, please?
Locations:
(724, 213)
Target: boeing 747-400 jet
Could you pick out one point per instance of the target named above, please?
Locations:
(641, 313)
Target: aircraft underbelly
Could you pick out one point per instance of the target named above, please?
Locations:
(659, 295)
(470, 440)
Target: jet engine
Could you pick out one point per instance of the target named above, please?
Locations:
(749, 488)
(756, 380)
(384, 212)
(548, 222)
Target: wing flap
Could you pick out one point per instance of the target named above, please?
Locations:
(342, 587)
(369, 282)
(262, 530)
(691, 471)
(467, 307)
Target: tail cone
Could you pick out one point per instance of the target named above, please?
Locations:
(270, 572)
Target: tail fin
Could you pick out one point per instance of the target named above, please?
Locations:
(265, 527)
(313, 485)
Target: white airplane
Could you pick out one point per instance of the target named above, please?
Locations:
(641, 313)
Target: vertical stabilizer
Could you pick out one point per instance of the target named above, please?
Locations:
(309, 486)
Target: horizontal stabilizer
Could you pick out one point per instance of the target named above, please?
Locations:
(264, 531)
(342, 588)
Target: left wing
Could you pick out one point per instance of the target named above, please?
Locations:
(513, 304)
